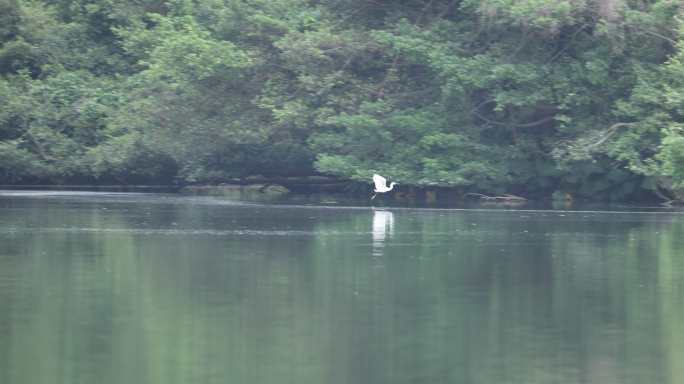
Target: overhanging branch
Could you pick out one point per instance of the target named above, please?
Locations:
(517, 125)
(609, 133)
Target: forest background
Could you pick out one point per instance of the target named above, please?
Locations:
(540, 98)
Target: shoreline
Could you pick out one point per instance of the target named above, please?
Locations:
(321, 185)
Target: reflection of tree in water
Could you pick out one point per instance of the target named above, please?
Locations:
(508, 298)
(466, 297)
(598, 308)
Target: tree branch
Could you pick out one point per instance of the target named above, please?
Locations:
(381, 89)
(609, 132)
(566, 46)
(518, 125)
(674, 43)
(38, 146)
(505, 197)
(446, 9)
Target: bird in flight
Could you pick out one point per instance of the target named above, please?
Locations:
(381, 185)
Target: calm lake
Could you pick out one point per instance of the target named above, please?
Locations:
(154, 288)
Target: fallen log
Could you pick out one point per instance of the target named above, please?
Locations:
(504, 198)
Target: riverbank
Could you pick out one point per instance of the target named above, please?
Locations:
(271, 188)
(95, 188)
(262, 187)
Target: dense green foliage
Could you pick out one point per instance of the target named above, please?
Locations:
(537, 97)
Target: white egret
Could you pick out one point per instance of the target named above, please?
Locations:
(381, 185)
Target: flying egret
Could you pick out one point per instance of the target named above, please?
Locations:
(381, 185)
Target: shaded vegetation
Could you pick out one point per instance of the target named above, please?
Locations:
(534, 97)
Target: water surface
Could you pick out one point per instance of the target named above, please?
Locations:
(144, 288)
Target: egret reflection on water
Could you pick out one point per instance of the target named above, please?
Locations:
(383, 226)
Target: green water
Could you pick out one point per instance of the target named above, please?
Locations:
(128, 288)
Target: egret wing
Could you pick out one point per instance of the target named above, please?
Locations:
(380, 182)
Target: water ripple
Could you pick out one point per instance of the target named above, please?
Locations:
(160, 231)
